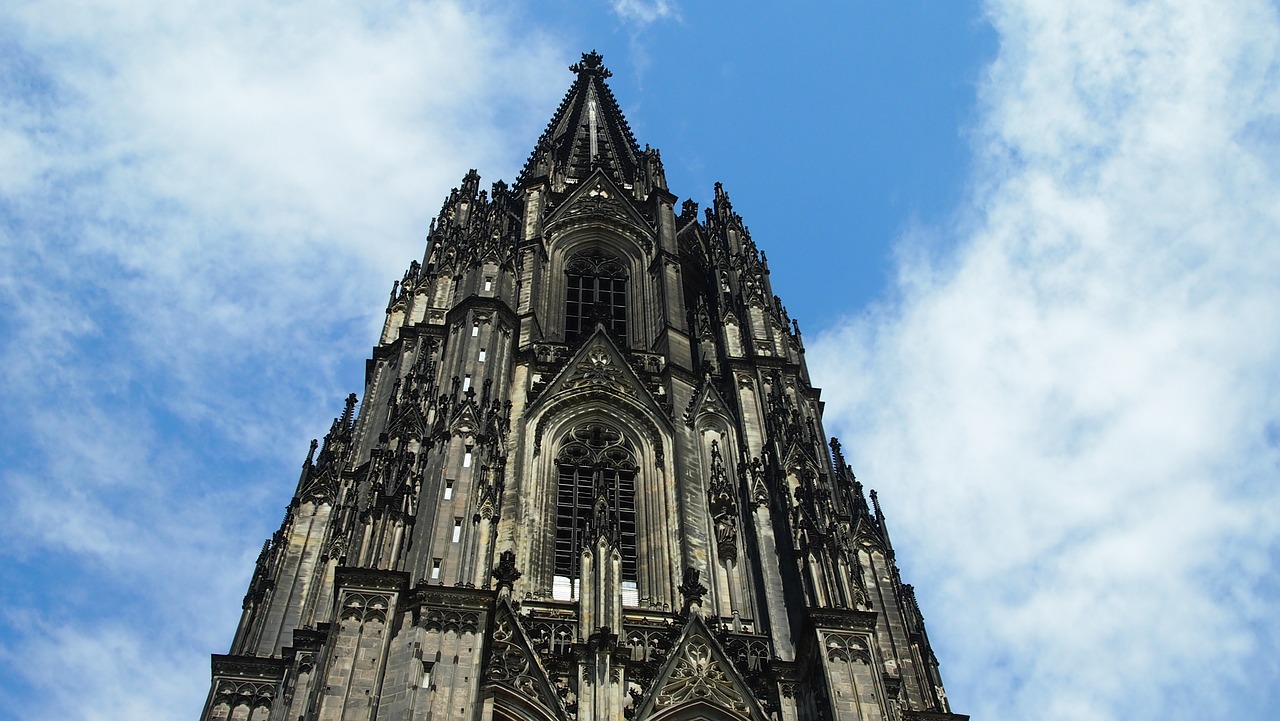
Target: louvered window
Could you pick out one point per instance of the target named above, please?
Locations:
(595, 292)
(595, 492)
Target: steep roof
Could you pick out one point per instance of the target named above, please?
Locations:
(588, 131)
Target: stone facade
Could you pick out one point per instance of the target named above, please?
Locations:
(588, 480)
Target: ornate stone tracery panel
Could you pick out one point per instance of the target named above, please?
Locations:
(698, 675)
(846, 647)
(365, 606)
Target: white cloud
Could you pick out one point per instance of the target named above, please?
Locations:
(98, 673)
(644, 12)
(201, 207)
(1072, 412)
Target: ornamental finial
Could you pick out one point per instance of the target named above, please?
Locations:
(592, 63)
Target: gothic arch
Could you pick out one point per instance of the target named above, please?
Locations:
(626, 247)
(723, 516)
(508, 705)
(655, 503)
(609, 404)
(697, 711)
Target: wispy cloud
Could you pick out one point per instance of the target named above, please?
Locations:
(645, 12)
(201, 208)
(1071, 406)
(105, 671)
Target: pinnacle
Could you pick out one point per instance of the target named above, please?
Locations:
(592, 63)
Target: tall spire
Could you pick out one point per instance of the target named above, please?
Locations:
(588, 131)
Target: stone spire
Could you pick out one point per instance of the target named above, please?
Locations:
(588, 131)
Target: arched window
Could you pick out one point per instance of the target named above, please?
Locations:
(595, 292)
(595, 492)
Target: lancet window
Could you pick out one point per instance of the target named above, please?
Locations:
(595, 494)
(595, 292)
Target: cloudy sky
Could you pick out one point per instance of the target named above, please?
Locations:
(1034, 246)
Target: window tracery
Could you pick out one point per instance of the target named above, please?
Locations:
(595, 494)
(595, 292)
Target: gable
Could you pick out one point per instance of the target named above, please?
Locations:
(599, 373)
(599, 366)
(699, 673)
(708, 401)
(598, 198)
(514, 664)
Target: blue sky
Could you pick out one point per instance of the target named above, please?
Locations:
(1032, 245)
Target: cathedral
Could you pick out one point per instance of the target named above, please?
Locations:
(587, 480)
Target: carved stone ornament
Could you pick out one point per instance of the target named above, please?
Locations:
(690, 589)
(597, 369)
(505, 573)
(237, 692)
(509, 662)
(512, 662)
(447, 619)
(846, 647)
(598, 201)
(365, 607)
(699, 676)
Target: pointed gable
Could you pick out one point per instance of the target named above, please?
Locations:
(598, 197)
(600, 366)
(699, 672)
(407, 421)
(466, 416)
(514, 664)
(598, 371)
(588, 131)
(707, 401)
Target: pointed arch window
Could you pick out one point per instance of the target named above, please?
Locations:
(595, 292)
(595, 493)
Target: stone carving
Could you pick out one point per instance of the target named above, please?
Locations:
(690, 589)
(365, 607)
(846, 647)
(699, 676)
(252, 694)
(505, 573)
(597, 369)
(512, 662)
(723, 507)
(445, 619)
(508, 662)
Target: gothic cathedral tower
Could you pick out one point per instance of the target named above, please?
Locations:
(588, 480)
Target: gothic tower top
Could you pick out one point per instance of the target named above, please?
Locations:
(588, 481)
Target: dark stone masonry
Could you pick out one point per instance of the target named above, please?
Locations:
(588, 479)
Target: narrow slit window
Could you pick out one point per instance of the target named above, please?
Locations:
(448, 490)
(457, 530)
(435, 568)
(481, 358)
(466, 458)
(488, 284)
(425, 680)
(475, 329)
(466, 383)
